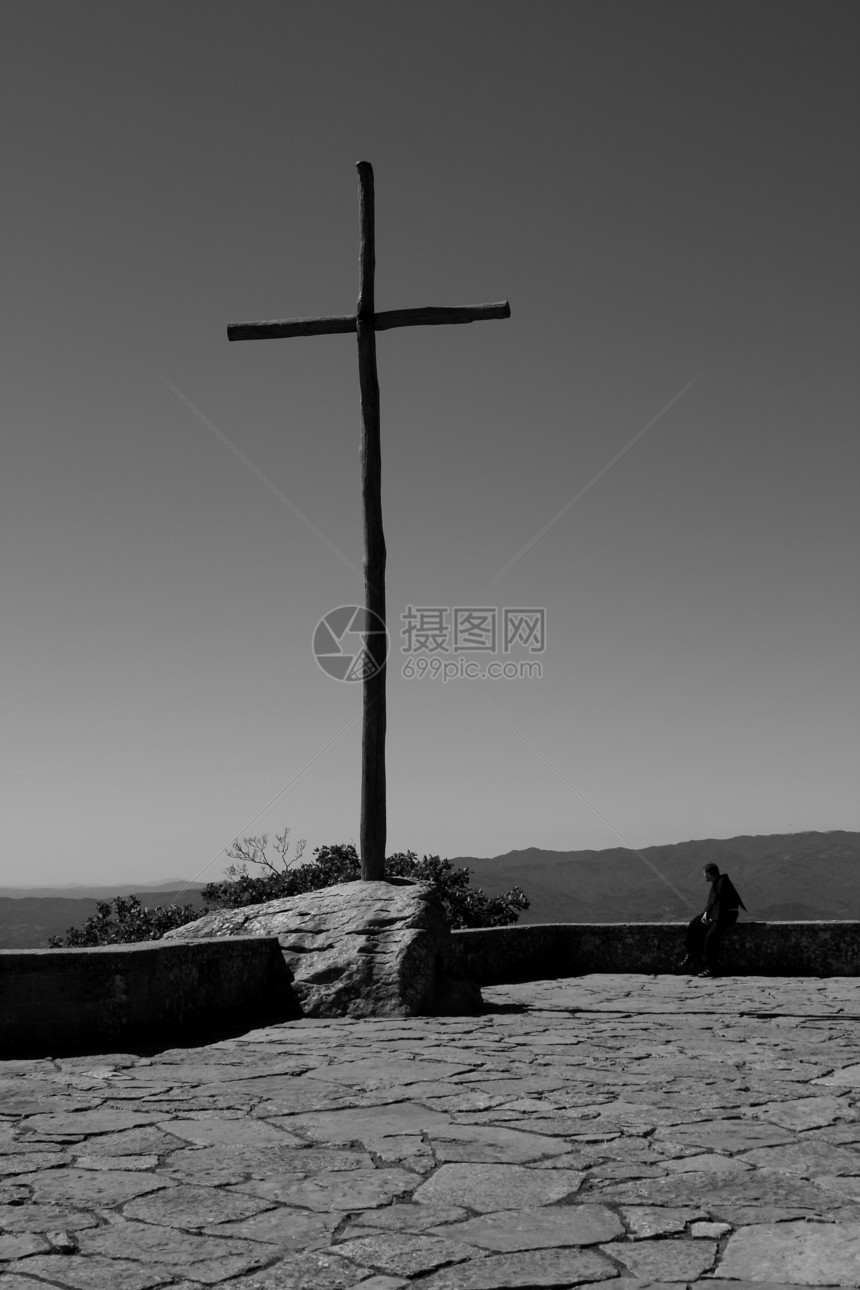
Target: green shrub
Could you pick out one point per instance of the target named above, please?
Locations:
(464, 905)
(126, 922)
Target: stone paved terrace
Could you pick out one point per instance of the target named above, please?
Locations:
(632, 1131)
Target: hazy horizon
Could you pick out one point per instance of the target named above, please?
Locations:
(668, 196)
(178, 881)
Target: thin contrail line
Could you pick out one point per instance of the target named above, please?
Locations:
(590, 805)
(592, 481)
(271, 801)
(262, 478)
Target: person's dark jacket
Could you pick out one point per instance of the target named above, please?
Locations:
(723, 899)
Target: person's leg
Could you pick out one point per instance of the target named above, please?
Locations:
(694, 938)
(712, 948)
(712, 941)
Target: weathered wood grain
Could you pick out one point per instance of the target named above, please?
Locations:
(373, 826)
(428, 316)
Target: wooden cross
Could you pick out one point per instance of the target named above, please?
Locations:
(366, 323)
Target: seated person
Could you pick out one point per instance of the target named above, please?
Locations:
(705, 930)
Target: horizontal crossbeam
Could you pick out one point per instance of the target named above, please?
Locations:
(429, 316)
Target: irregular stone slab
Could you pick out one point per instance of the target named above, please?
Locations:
(83, 1123)
(406, 1253)
(175, 1250)
(650, 1220)
(173, 1072)
(453, 1101)
(359, 949)
(634, 1283)
(221, 1165)
(31, 1162)
(726, 1135)
(147, 1140)
(838, 1134)
(361, 1125)
(35, 1105)
(848, 1188)
(194, 1207)
(104, 1187)
(557, 1127)
(639, 1150)
(384, 1072)
(408, 1217)
(288, 1093)
(530, 1269)
(382, 1282)
(11, 1143)
(117, 1162)
(17, 1245)
(806, 1159)
(43, 1218)
(488, 1143)
(517, 1087)
(311, 1270)
(847, 1075)
(709, 1164)
(811, 1254)
(631, 1170)
(491, 1187)
(288, 1229)
(12, 1281)
(804, 1112)
(409, 1151)
(537, 1228)
(579, 1161)
(664, 1260)
(89, 1273)
(62, 1242)
(218, 1131)
(712, 1230)
(759, 1195)
(643, 1117)
(357, 1189)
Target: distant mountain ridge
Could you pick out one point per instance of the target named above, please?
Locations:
(780, 876)
(105, 891)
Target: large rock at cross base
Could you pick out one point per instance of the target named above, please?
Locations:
(359, 949)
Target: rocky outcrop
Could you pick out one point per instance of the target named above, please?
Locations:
(359, 949)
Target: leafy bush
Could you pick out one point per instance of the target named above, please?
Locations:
(465, 906)
(127, 922)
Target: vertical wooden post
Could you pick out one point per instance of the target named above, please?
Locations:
(373, 821)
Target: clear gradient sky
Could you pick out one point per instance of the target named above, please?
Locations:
(663, 191)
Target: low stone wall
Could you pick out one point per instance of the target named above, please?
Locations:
(120, 997)
(159, 993)
(544, 951)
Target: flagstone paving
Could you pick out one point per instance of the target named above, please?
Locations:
(637, 1132)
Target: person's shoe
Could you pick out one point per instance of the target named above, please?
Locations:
(708, 973)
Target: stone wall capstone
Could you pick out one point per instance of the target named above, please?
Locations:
(544, 951)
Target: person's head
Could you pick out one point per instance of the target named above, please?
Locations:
(710, 872)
